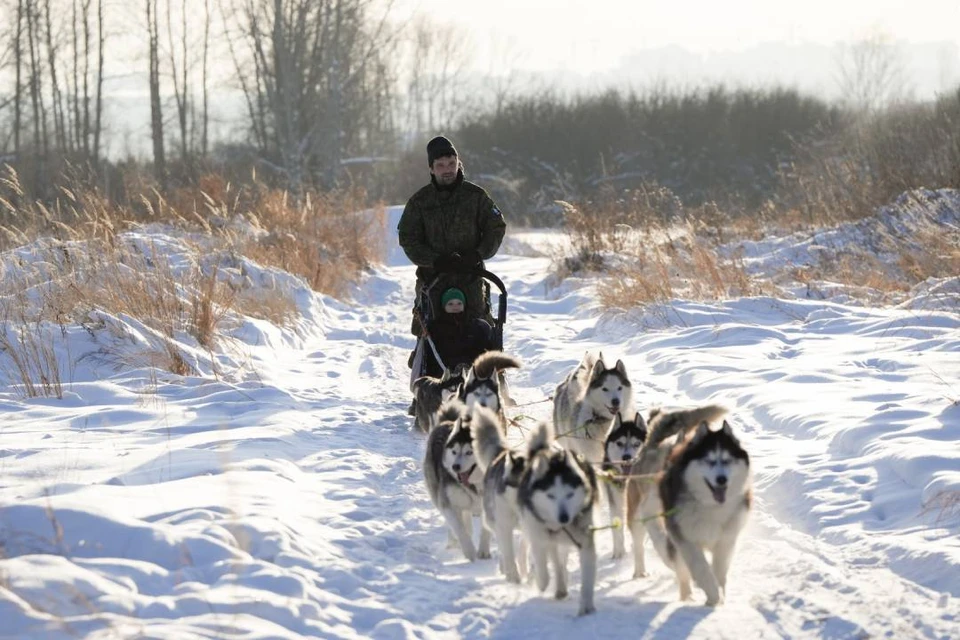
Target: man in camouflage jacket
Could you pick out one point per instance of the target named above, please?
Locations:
(450, 226)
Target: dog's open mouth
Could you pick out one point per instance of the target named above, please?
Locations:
(719, 493)
(464, 476)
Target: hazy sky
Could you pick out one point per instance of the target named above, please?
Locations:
(588, 35)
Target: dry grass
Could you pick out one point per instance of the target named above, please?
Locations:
(30, 359)
(686, 268)
(945, 503)
(875, 158)
(650, 249)
(324, 238)
(319, 237)
(647, 248)
(79, 262)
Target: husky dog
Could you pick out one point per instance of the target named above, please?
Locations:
(501, 476)
(481, 385)
(432, 393)
(664, 430)
(453, 478)
(555, 498)
(700, 500)
(586, 401)
(620, 450)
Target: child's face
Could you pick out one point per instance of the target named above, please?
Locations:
(453, 306)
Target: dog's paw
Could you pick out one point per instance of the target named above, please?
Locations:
(714, 601)
(484, 554)
(618, 553)
(513, 576)
(586, 609)
(561, 594)
(642, 573)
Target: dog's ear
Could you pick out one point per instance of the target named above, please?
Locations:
(446, 375)
(641, 425)
(727, 430)
(702, 430)
(622, 369)
(597, 370)
(515, 464)
(539, 467)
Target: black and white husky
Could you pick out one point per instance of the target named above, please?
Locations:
(432, 393)
(620, 450)
(699, 501)
(502, 469)
(481, 384)
(585, 403)
(555, 497)
(453, 478)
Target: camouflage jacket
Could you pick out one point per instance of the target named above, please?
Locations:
(438, 222)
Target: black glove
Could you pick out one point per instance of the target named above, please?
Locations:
(472, 259)
(448, 262)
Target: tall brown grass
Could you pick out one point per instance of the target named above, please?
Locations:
(81, 262)
(872, 160)
(649, 248)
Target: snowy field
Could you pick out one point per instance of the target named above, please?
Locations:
(286, 499)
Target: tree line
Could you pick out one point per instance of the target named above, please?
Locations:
(339, 92)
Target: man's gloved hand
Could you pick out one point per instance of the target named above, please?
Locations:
(448, 262)
(472, 259)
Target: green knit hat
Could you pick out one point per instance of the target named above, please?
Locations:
(452, 294)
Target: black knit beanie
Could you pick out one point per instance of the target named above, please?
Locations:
(438, 148)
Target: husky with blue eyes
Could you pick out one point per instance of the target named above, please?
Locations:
(585, 403)
(555, 498)
(454, 480)
(699, 501)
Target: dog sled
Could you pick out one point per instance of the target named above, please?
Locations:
(428, 359)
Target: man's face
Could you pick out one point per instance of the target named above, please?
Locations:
(444, 169)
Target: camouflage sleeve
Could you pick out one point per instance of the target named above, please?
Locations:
(412, 238)
(492, 227)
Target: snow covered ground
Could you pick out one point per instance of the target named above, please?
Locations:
(289, 500)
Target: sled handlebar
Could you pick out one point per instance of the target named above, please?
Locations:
(486, 275)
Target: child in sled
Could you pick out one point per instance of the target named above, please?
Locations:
(458, 338)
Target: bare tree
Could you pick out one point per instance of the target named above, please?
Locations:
(312, 63)
(502, 77)
(180, 74)
(436, 75)
(40, 141)
(156, 111)
(56, 98)
(870, 72)
(86, 78)
(204, 83)
(18, 88)
(75, 91)
(101, 40)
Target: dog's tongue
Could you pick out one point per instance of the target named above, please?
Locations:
(464, 477)
(719, 493)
